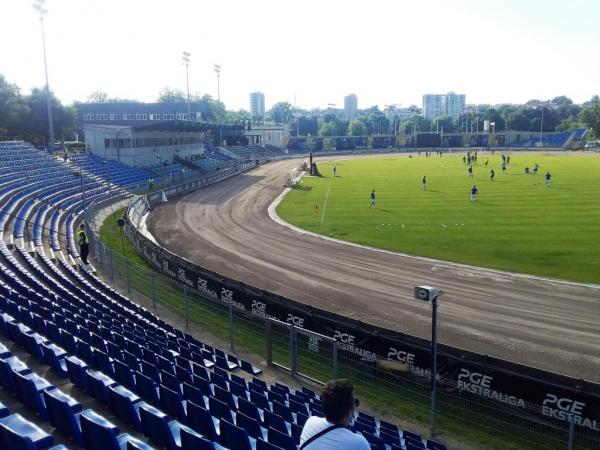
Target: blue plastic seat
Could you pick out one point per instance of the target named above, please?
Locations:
(276, 422)
(296, 432)
(194, 441)
(173, 404)
(159, 429)
(247, 367)
(33, 343)
(223, 363)
(136, 444)
(234, 438)
(98, 384)
(249, 409)
(104, 363)
(202, 384)
(193, 394)
(4, 411)
(151, 371)
(281, 410)
(76, 369)
(20, 434)
(433, 445)
(388, 436)
(219, 409)
(283, 440)
(298, 407)
(63, 413)
(264, 445)
(259, 400)
(124, 374)
(226, 397)
(147, 388)
(8, 367)
(252, 426)
(170, 381)
(200, 420)
(54, 356)
(363, 427)
(101, 434)
(29, 390)
(125, 405)
(376, 442)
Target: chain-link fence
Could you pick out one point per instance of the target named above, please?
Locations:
(386, 387)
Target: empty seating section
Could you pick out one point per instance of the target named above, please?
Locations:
(159, 382)
(38, 192)
(251, 152)
(115, 171)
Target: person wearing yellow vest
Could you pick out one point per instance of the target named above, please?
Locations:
(84, 244)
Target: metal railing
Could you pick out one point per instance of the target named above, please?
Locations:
(317, 357)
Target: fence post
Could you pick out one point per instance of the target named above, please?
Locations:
(571, 432)
(112, 264)
(335, 359)
(294, 350)
(269, 343)
(230, 317)
(128, 265)
(187, 306)
(153, 289)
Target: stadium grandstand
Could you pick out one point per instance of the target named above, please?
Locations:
(83, 366)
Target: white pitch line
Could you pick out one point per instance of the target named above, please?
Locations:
(325, 204)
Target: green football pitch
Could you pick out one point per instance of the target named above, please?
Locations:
(517, 223)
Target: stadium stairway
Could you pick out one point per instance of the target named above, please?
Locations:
(80, 363)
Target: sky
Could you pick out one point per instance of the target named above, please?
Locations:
(311, 53)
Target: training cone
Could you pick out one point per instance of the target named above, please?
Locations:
(316, 206)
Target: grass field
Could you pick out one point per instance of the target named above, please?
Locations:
(517, 223)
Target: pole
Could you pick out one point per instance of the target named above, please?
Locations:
(230, 323)
(186, 62)
(433, 362)
(541, 127)
(187, 306)
(571, 432)
(39, 6)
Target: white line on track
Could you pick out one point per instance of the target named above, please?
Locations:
(325, 204)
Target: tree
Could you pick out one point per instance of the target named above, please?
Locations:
(36, 124)
(281, 112)
(239, 116)
(326, 129)
(591, 116)
(171, 95)
(494, 116)
(444, 122)
(357, 128)
(562, 100)
(13, 110)
(97, 97)
(418, 123)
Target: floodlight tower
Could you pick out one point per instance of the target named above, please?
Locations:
(186, 62)
(40, 7)
(218, 72)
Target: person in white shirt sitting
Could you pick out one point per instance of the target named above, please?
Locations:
(331, 432)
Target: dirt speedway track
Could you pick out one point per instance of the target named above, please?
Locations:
(226, 228)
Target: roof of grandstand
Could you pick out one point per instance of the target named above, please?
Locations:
(185, 125)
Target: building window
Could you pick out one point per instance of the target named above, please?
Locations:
(87, 117)
(168, 116)
(128, 116)
(106, 143)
